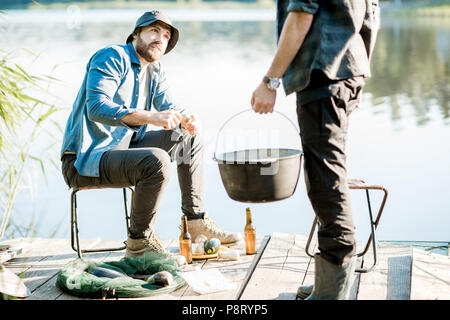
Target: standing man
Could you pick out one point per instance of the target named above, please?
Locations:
(106, 142)
(323, 55)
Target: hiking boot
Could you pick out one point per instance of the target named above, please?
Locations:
(210, 229)
(137, 247)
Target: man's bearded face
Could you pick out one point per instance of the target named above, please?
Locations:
(151, 42)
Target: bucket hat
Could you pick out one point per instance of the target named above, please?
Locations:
(152, 16)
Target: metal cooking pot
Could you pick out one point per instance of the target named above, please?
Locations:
(259, 175)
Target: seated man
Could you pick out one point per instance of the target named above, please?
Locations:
(106, 142)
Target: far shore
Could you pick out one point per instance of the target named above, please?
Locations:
(260, 4)
(412, 9)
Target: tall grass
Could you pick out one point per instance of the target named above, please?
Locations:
(24, 116)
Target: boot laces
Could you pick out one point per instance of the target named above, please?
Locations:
(155, 243)
(213, 227)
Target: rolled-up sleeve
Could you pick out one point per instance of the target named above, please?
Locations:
(104, 75)
(309, 6)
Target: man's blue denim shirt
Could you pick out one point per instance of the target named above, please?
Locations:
(110, 90)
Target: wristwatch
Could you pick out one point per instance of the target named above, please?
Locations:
(271, 83)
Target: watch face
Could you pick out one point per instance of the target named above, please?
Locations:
(274, 83)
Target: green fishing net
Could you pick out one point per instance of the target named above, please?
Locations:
(76, 277)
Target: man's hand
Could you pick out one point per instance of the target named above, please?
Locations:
(168, 119)
(294, 31)
(263, 99)
(190, 124)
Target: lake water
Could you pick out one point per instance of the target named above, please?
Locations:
(398, 139)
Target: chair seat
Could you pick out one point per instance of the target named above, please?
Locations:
(360, 184)
(97, 187)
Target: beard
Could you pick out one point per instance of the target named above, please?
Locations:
(146, 51)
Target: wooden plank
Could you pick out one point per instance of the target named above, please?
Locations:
(14, 247)
(234, 270)
(390, 280)
(254, 264)
(298, 264)
(280, 270)
(430, 278)
(35, 266)
(39, 249)
(49, 291)
(282, 267)
(399, 278)
(33, 256)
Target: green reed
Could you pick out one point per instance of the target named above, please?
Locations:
(24, 116)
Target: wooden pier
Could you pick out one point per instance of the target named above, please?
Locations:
(275, 272)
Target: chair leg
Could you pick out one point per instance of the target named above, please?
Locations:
(74, 231)
(311, 233)
(372, 239)
(74, 224)
(127, 215)
(373, 225)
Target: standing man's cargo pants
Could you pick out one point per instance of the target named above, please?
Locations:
(323, 112)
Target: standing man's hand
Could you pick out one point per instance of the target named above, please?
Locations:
(294, 31)
(263, 99)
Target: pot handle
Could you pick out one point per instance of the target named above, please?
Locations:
(241, 112)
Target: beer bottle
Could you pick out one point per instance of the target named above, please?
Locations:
(250, 235)
(185, 241)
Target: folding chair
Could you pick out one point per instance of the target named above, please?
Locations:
(359, 184)
(74, 231)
